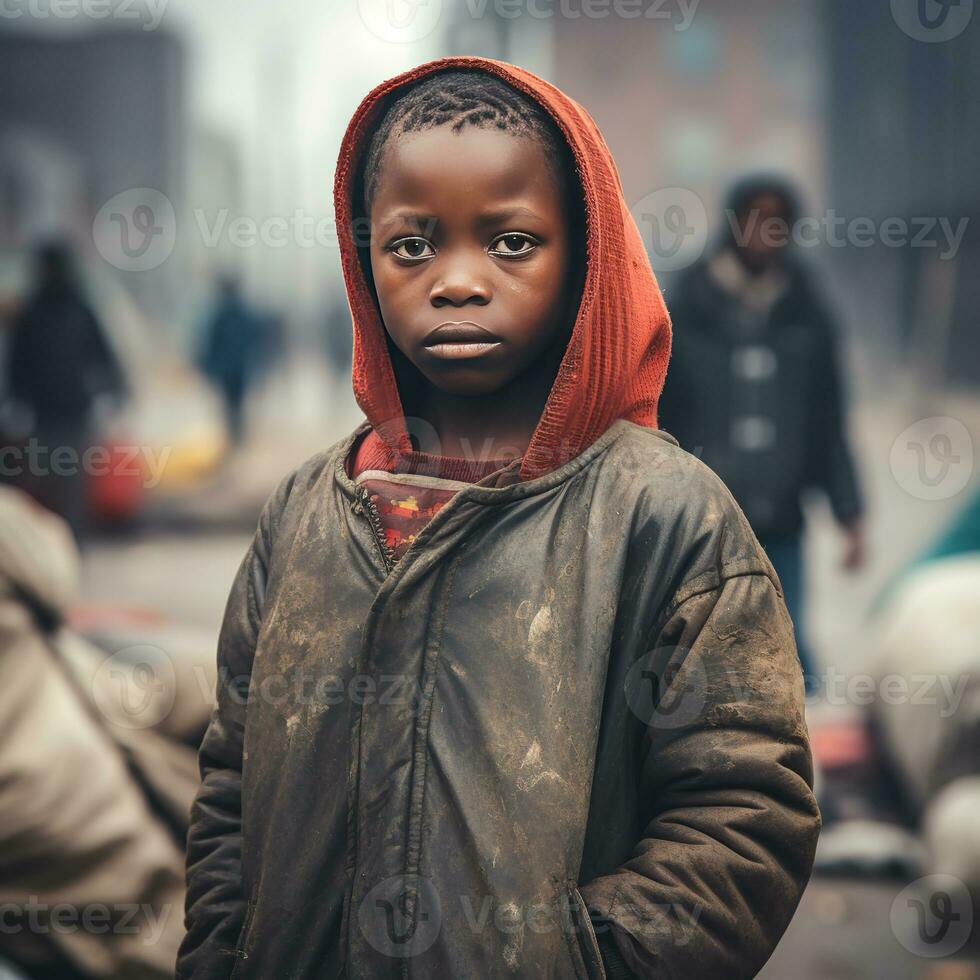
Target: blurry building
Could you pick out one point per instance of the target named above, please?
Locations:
(904, 142)
(871, 115)
(688, 94)
(83, 117)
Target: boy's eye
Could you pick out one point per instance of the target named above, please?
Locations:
(412, 249)
(512, 244)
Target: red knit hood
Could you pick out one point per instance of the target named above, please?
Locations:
(616, 358)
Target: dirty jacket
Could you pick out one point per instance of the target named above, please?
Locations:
(575, 693)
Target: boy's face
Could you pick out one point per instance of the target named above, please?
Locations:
(470, 255)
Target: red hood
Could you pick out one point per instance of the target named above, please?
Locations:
(616, 359)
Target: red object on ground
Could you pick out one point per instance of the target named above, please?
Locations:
(115, 490)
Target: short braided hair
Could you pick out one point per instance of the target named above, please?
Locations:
(459, 98)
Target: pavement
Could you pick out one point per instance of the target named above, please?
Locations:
(843, 930)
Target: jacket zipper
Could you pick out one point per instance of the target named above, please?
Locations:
(365, 507)
(374, 519)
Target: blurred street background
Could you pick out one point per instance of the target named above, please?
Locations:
(175, 161)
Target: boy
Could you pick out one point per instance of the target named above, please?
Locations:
(509, 688)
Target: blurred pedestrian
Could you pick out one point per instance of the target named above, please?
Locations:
(60, 366)
(754, 384)
(233, 340)
(339, 337)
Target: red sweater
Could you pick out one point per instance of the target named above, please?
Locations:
(405, 494)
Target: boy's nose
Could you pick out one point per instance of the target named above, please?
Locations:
(459, 288)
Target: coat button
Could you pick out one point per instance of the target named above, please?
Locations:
(357, 507)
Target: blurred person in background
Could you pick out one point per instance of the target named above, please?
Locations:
(754, 386)
(339, 337)
(60, 366)
(233, 340)
(98, 769)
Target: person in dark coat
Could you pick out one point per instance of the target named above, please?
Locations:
(233, 340)
(755, 389)
(60, 364)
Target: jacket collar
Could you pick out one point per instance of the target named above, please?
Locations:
(485, 492)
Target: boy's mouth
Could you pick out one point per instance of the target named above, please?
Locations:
(457, 339)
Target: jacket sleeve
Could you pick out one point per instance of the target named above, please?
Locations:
(832, 463)
(216, 900)
(730, 822)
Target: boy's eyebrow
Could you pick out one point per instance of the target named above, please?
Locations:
(429, 221)
(409, 217)
(506, 214)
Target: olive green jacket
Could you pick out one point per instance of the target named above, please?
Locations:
(575, 692)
